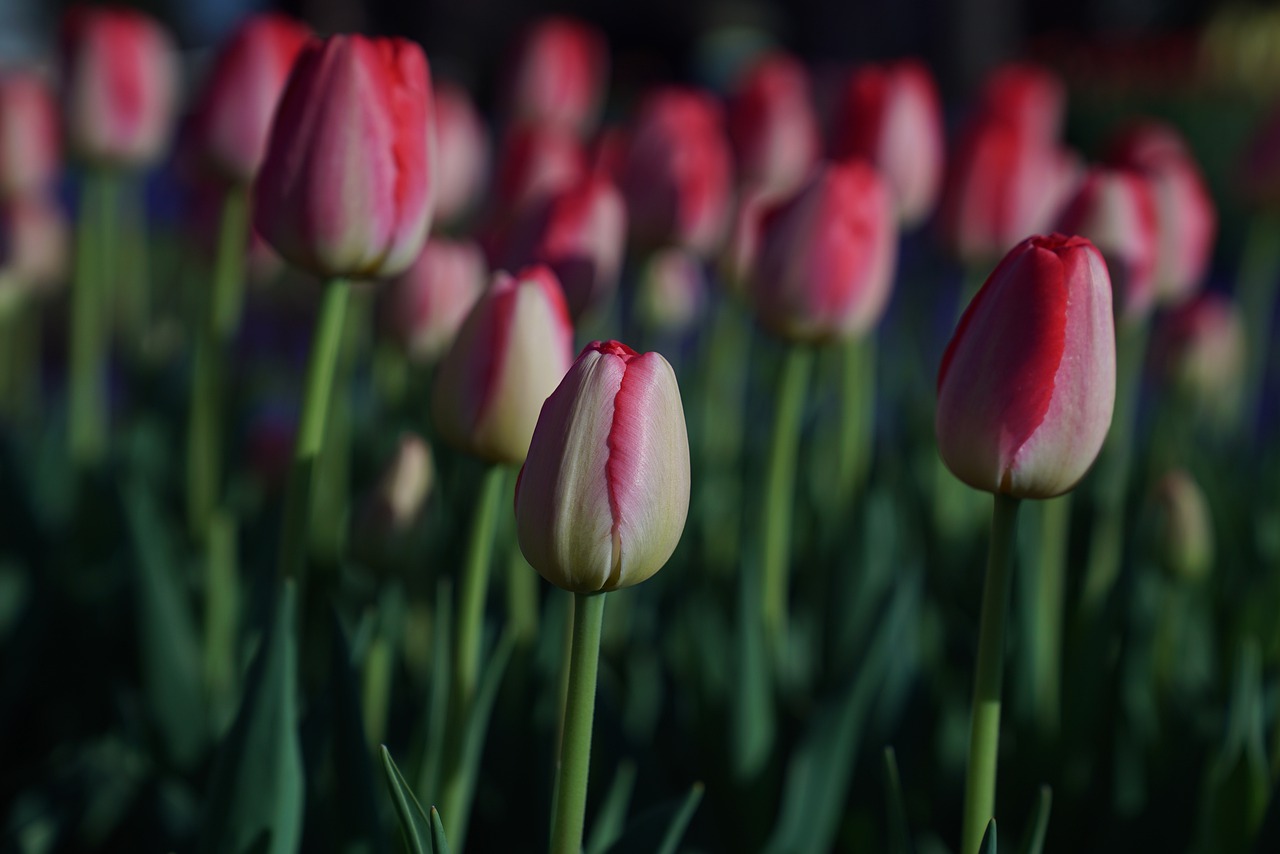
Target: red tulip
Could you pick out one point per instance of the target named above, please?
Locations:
(464, 152)
(677, 178)
(423, 307)
(1028, 382)
(582, 235)
(537, 161)
(233, 115)
(773, 126)
(826, 260)
(891, 116)
(1199, 347)
(511, 352)
(559, 75)
(602, 499)
(348, 183)
(1115, 210)
(1030, 97)
(29, 145)
(120, 85)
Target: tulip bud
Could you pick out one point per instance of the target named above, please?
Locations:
(672, 292)
(1114, 210)
(423, 308)
(233, 116)
(464, 150)
(891, 116)
(559, 75)
(1199, 348)
(513, 348)
(33, 230)
(1182, 527)
(347, 186)
(827, 257)
(602, 499)
(1030, 97)
(1028, 382)
(396, 502)
(677, 177)
(29, 144)
(537, 161)
(773, 126)
(120, 85)
(582, 237)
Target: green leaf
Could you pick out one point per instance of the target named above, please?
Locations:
(899, 829)
(612, 815)
(418, 830)
(658, 830)
(257, 794)
(752, 726)
(430, 769)
(1039, 823)
(437, 833)
(988, 844)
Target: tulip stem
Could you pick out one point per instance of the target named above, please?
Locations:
(90, 338)
(857, 416)
(134, 274)
(475, 588)
(311, 428)
(780, 490)
(1047, 580)
(1256, 292)
(984, 732)
(575, 750)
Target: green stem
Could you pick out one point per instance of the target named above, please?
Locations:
(779, 491)
(575, 750)
(1256, 292)
(857, 416)
(475, 588)
(90, 311)
(522, 597)
(315, 407)
(1047, 581)
(134, 267)
(984, 732)
(222, 595)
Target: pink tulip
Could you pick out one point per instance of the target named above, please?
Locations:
(233, 115)
(1028, 382)
(891, 115)
(672, 293)
(602, 499)
(1186, 220)
(33, 235)
(1115, 210)
(348, 183)
(512, 350)
(120, 85)
(677, 179)
(1182, 526)
(826, 260)
(1199, 348)
(30, 156)
(773, 125)
(537, 161)
(559, 75)
(582, 235)
(464, 152)
(423, 308)
(1030, 97)
(743, 246)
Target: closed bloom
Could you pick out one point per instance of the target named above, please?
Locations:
(1183, 526)
(396, 501)
(423, 308)
(29, 145)
(33, 243)
(537, 161)
(773, 125)
(233, 115)
(1115, 210)
(1028, 382)
(1199, 349)
(891, 116)
(464, 151)
(672, 292)
(826, 259)
(348, 183)
(602, 499)
(120, 85)
(559, 75)
(581, 236)
(512, 350)
(1030, 97)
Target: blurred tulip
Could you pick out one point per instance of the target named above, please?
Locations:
(464, 152)
(773, 127)
(512, 350)
(1183, 527)
(33, 232)
(1030, 97)
(1199, 348)
(891, 116)
(827, 256)
(743, 246)
(677, 179)
(581, 236)
(1027, 384)
(30, 155)
(423, 308)
(602, 499)
(1186, 220)
(537, 161)
(232, 117)
(672, 293)
(120, 85)
(559, 75)
(348, 183)
(1115, 210)
(396, 501)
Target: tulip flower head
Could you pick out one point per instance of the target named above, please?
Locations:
(1183, 526)
(582, 235)
(33, 234)
(1199, 349)
(672, 292)
(1030, 97)
(423, 308)
(559, 75)
(512, 350)
(348, 183)
(1027, 384)
(537, 161)
(602, 499)
(773, 125)
(30, 156)
(464, 151)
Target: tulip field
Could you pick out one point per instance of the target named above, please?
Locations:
(791, 457)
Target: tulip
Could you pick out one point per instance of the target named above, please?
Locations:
(559, 75)
(423, 308)
(29, 144)
(537, 161)
(677, 175)
(582, 237)
(1199, 348)
(891, 116)
(1030, 97)
(743, 246)
(464, 151)
(347, 187)
(120, 85)
(1183, 527)
(826, 260)
(510, 353)
(1115, 210)
(672, 293)
(1027, 384)
(33, 231)
(773, 126)
(233, 116)
(396, 502)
